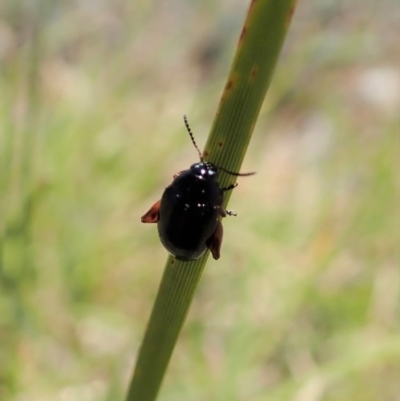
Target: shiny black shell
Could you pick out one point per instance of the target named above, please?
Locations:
(189, 212)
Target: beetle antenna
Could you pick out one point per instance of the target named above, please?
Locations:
(235, 174)
(192, 137)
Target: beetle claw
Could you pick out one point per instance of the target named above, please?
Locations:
(152, 216)
(225, 213)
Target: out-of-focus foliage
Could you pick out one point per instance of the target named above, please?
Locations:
(91, 102)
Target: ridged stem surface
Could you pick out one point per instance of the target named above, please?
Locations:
(258, 49)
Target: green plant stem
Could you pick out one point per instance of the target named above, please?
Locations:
(258, 49)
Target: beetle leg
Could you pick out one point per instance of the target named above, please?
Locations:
(229, 187)
(152, 216)
(178, 174)
(215, 241)
(225, 213)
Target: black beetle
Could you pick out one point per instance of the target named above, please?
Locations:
(188, 214)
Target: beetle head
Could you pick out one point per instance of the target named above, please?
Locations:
(204, 170)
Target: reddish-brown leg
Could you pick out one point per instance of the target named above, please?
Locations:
(215, 241)
(152, 216)
(178, 174)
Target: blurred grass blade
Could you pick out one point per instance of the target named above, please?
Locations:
(257, 52)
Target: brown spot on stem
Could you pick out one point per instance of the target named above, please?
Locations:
(290, 14)
(205, 154)
(252, 4)
(242, 34)
(254, 72)
(220, 144)
(229, 86)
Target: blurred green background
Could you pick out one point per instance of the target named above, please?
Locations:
(303, 304)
